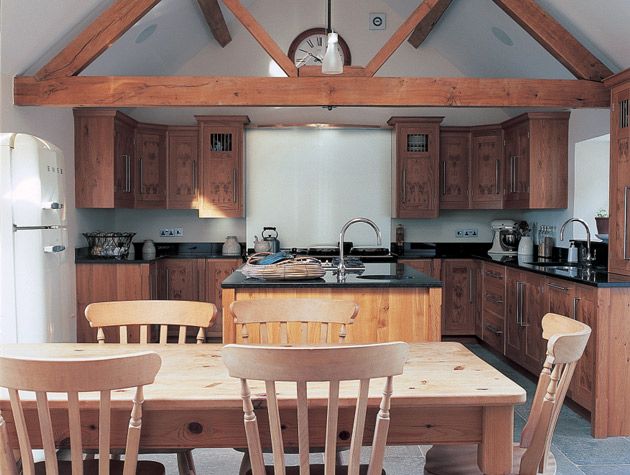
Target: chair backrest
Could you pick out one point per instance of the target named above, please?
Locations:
(144, 313)
(74, 376)
(264, 313)
(567, 340)
(303, 364)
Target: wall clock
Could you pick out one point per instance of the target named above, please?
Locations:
(308, 48)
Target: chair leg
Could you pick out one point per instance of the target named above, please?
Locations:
(246, 464)
(191, 462)
(182, 463)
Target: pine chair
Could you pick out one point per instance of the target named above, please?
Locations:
(145, 313)
(69, 376)
(265, 313)
(567, 340)
(316, 364)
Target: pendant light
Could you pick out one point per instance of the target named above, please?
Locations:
(332, 63)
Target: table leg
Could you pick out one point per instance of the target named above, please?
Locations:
(495, 450)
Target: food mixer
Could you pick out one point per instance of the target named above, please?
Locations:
(506, 237)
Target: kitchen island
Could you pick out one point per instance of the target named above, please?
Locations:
(396, 302)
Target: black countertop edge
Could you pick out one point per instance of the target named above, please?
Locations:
(401, 276)
(205, 250)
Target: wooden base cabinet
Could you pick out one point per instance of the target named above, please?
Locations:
(460, 296)
(430, 267)
(493, 305)
(109, 282)
(216, 272)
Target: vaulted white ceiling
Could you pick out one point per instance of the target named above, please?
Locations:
(473, 38)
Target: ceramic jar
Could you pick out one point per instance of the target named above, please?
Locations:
(148, 250)
(231, 247)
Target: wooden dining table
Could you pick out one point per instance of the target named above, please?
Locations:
(445, 395)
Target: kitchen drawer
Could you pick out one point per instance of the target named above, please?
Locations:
(493, 299)
(494, 331)
(494, 273)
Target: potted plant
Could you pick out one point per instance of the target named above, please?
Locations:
(601, 219)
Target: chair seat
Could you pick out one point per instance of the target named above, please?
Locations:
(90, 467)
(317, 469)
(462, 460)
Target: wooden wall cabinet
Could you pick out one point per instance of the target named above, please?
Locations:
(415, 167)
(486, 167)
(150, 165)
(221, 139)
(454, 167)
(108, 282)
(104, 159)
(460, 296)
(183, 167)
(536, 160)
(619, 237)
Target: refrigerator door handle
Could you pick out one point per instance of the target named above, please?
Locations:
(54, 249)
(35, 228)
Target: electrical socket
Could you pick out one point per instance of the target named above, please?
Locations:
(171, 232)
(467, 233)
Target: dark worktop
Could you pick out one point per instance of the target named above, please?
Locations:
(597, 276)
(190, 250)
(394, 276)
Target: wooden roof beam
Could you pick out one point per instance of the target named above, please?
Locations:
(191, 91)
(214, 17)
(399, 36)
(96, 38)
(552, 36)
(425, 26)
(261, 35)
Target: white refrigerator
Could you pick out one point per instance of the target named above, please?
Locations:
(36, 263)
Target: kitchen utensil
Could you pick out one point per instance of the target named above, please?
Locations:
(261, 245)
(231, 247)
(271, 238)
(506, 237)
(526, 246)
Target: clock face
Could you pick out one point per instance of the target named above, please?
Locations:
(309, 47)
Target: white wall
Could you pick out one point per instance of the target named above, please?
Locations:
(309, 182)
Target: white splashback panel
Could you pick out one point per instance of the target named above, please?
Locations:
(309, 182)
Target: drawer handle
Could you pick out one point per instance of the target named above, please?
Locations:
(494, 330)
(557, 287)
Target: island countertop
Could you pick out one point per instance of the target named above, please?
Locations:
(375, 275)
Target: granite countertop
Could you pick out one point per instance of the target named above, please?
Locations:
(204, 250)
(389, 275)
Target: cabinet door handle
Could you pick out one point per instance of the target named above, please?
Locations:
(444, 177)
(625, 222)
(470, 286)
(168, 286)
(518, 303)
(557, 287)
(234, 185)
(194, 175)
(496, 176)
(494, 330)
(514, 175)
(576, 300)
(404, 185)
(141, 175)
(128, 157)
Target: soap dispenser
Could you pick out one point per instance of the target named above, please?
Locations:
(572, 255)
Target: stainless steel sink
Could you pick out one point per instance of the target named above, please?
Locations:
(384, 277)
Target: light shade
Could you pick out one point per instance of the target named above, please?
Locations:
(332, 63)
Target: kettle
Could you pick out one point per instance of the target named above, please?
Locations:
(271, 238)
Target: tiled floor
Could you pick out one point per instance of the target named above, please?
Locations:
(577, 453)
